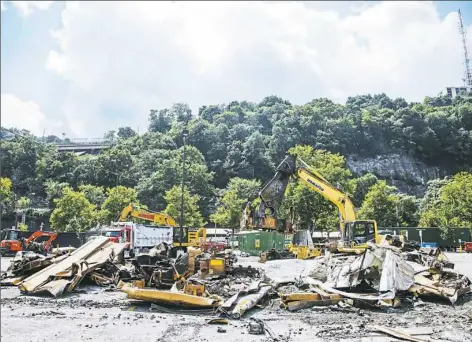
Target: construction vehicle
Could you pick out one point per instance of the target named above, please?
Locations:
(257, 220)
(354, 233)
(12, 243)
(160, 218)
(191, 238)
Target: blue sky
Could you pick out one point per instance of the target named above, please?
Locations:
(77, 103)
(445, 7)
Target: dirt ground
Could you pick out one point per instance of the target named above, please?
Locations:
(96, 314)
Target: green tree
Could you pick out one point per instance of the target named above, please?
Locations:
(236, 195)
(169, 173)
(23, 203)
(384, 204)
(229, 213)
(454, 207)
(23, 227)
(57, 166)
(22, 206)
(18, 158)
(110, 136)
(125, 132)
(407, 210)
(432, 197)
(88, 171)
(160, 120)
(118, 198)
(54, 190)
(94, 194)
(114, 168)
(6, 195)
(363, 184)
(73, 212)
(380, 204)
(192, 215)
(180, 112)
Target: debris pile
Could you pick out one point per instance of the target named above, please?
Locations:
(23, 265)
(274, 254)
(35, 273)
(381, 276)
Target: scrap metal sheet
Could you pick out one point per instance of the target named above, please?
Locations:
(66, 274)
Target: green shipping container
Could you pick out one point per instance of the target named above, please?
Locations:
(254, 242)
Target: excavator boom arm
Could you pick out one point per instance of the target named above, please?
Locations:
(331, 193)
(37, 234)
(273, 192)
(159, 218)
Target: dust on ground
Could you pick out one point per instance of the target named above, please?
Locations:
(95, 313)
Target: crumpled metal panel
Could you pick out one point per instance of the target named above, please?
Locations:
(381, 264)
(43, 276)
(247, 302)
(397, 274)
(66, 274)
(367, 297)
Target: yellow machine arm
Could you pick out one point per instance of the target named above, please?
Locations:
(318, 183)
(159, 218)
(273, 192)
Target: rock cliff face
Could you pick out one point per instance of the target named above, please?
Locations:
(405, 172)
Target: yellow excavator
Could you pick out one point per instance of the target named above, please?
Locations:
(159, 218)
(192, 238)
(354, 233)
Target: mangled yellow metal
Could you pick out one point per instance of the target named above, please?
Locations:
(167, 297)
(303, 300)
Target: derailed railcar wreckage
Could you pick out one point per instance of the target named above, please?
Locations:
(382, 277)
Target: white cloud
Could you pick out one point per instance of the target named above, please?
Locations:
(27, 7)
(4, 8)
(140, 55)
(22, 114)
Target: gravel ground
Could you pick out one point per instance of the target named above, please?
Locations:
(97, 314)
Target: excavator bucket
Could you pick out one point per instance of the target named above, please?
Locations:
(273, 192)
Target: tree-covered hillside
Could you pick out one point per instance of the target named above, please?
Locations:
(233, 149)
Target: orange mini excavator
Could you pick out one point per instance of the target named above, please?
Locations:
(11, 243)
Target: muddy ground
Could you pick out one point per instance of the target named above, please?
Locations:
(96, 314)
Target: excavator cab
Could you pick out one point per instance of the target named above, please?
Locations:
(9, 234)
(358, 233)
(10, 243)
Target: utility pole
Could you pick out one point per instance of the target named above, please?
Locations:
(185, 133)
(16, 213)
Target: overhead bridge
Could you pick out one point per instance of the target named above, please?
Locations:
(84, 146)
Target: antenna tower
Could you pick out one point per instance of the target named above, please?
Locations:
(467, 73)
